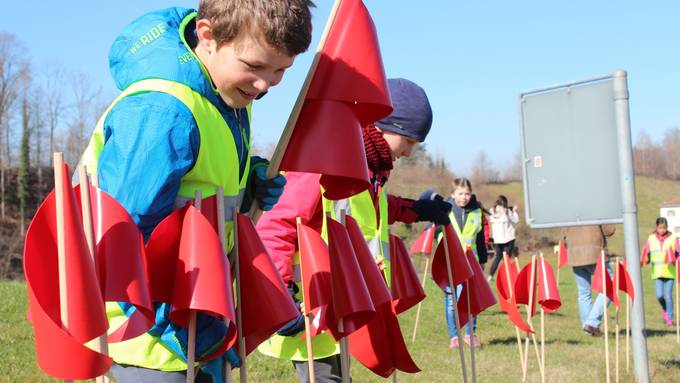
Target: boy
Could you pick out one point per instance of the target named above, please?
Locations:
(182, 124)
(390, 138)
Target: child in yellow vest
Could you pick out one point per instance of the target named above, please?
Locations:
(661, 250)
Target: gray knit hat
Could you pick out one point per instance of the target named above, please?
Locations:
(412, 115)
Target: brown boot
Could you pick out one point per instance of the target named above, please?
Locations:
(592, 331)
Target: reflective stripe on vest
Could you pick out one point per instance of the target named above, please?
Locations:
(216, 166)
(473, 225)
(657, 256)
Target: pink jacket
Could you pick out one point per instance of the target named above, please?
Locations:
(302, 198)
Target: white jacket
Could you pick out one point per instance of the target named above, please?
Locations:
(503, 225)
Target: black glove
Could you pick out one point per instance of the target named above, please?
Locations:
(434, 210)
(297, 324)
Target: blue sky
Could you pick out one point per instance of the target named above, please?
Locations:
(473, 58)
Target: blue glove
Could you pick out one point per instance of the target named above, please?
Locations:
(267, 191)
(215, 367)
(297, 324)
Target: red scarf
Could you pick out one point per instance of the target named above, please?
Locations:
(378, 153)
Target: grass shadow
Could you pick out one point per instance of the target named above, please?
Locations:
(652, 333)
(513, 340)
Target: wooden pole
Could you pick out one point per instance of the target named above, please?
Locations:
(677, 306)
(344, 345)
(58, 159)
(221, 232)
(420, 304)
(558, 262)
(627, 333)
(616, 325)
(243, 371)
(456, 320)
(100, 345)
(308, 330)
(506, 261)
(532, 288)
(542, 334)
(277, 157)
(606, 327)
(191, 348)
(471, 326)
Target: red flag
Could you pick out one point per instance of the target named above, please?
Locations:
(348, 90)
(316, 278)
(596, 284)
(625, 283)
(548, 293)
(260, 283)
(60, 349)
(406, 288)
(423, 244)
(563, 254)
(351, 300)
(505, 282)
(670, 257)
(189, 269)
(644, 258)
(379, 345)
(460, 267)
(481, 295)
(121, 262)
(523, 287)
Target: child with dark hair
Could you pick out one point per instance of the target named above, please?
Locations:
(661, 251)
(503, 220)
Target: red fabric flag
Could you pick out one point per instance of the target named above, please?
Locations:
(670, 257)
(523, 287)
(477, 287)
(597, 284)
(60, 351)
(406, 288)
(644, 258)
(316, 278)
(189, 269)
(348, 90)
(121, 262)
(563, 254)
(625, 283)
(460, 267)
(548, 293)
(505, 282)
(375, 281)
(260, 283)
(351, 300)
(423, 244)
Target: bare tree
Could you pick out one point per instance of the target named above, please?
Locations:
(483, 171)
(86, 107)
(54, 99)
(24, 156)
(37, 130)
(514, 170)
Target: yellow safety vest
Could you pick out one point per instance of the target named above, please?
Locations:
(217, 165)
(362, 209)
(473, 225)
(657, 256)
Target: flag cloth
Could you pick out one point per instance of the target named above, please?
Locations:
(477, 287)
(505, 282)
(597, 284)
(523, 287)
(351, 300)
(348, 90)
(375, 281)
(316, 278)
(60, 351)
(548, 293)
(460, 267)
(121, 262)
(625, 283)
(188, 268)
(423, 244)
(563, 254)
(405, 285)
(260, 283)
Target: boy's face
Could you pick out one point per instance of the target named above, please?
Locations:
(242, 68)
(400, 146)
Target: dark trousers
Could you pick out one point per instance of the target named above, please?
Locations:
(500, 248)
(326, 370)
(134, 374)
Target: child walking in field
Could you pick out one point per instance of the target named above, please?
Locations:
(661, 251)
(466, 219)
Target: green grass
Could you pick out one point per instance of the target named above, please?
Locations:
(571, 356)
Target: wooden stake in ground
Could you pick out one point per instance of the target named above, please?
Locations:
(471, 326)
(100, 344)
(558, 264)
(308, 329)
(606, 327)
(532, 288)
(627, 333)
(677, 306)
(191, 347)
(243, 371)
(542, 338)
(616, 325)
(506, 261)
(456, 319)
(428, 257)
(344, 345)
(221, 232)
(61, 240)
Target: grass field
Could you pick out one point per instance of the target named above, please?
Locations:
(571, 356)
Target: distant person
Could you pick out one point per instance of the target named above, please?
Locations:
(585, 246)
(503, 220)
(661, 251)
(466, 219)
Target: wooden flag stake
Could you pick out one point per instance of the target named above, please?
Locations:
(308, 330)
(471, 326)
(606, 327)
(677, 306)
(542, 335)
(456, 319)
(627, 333)
(221, 232)
(100, 345)
(243, 371)
(616, 325)
(428, 257)
(344, 345)
(532, 284)
(506, 261)
(558, 261)
(191, 348)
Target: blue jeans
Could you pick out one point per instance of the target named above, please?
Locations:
(589, 312)
(664, 294)
(449, 310)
